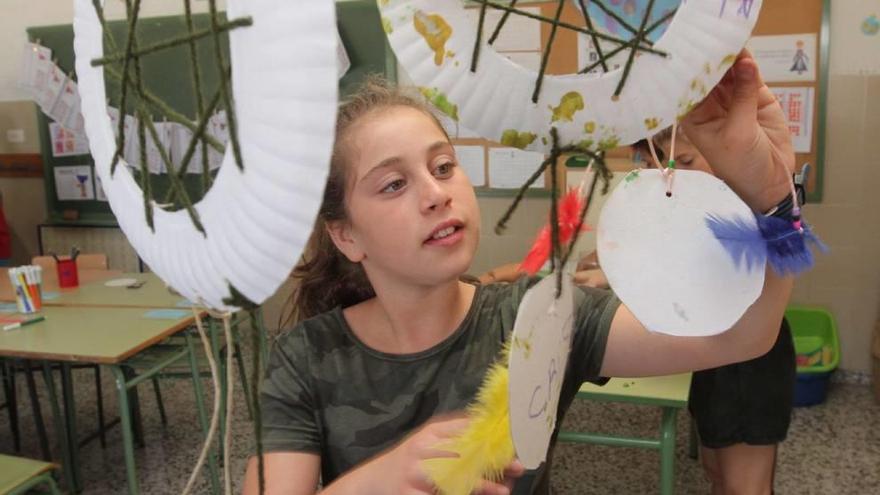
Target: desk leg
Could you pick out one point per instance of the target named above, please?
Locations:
(667, 451)
(37, 410)
(6, 369)
(61, 429)
(68, 398)
(126, 425)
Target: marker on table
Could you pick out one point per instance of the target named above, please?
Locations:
(20, 324)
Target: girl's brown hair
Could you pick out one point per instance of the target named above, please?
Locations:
(324, 277)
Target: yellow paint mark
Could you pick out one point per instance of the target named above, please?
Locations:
(609, 143)
(436, 32)
(516, 139)
(727, 61)
(569, 104)
(439, 100)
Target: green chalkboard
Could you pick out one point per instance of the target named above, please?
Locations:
(167, 75)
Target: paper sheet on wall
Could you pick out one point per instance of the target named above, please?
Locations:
(154, 158)
(473, 161)
(36, 61)
(48, 92)
(218, 128)
(520, 33)
(797, 105)
(180, 140)
(856, 37)
(132, 150)
(66, 105)
(785, 58)
(74, 183)
(509, 168)
(66, 142)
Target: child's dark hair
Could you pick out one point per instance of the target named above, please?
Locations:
(324, 277)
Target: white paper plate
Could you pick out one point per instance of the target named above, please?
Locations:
(120, 282)
(703, 40)
(664, 262)
(538, 358)
(257, 221)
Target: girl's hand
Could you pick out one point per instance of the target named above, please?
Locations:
(402, 465)
(742, 132)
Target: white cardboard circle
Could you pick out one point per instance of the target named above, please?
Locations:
(120, 282)
(663, 261)
(257, 220)
(540, 346)
(703, 41)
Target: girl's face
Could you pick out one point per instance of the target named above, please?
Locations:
(412, 212)
(687, 157)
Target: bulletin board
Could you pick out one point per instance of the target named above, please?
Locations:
(166, 74)
(812, 17)
(778, 17)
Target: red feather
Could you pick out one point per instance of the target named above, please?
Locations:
(569, 212)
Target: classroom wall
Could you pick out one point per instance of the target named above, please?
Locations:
(24, 198)
(847, 280)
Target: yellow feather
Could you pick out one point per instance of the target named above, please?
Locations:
(485, 448)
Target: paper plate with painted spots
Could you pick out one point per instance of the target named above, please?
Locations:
(663, 261)
(254, 219)
(434, 40)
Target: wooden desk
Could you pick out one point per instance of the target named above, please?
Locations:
(50, 281)
(668, 392)
(104, 335)
(153, 294)
(88, 335)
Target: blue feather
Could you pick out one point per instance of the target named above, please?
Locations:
(787, 250)
(774, 241)
(742, 241)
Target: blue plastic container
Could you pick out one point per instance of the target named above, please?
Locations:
(811, 389)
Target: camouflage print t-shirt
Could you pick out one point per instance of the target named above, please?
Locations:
(327, 393)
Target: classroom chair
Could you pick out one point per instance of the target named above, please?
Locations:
(670, 393)
(19, 475)
(167, 359)
(9, 368)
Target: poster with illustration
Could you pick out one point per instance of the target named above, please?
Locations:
(786, 58)
(74, 183)
(66, 142)
(797, 105)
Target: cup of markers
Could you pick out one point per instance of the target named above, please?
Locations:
(27, 283)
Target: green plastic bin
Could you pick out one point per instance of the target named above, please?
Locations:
(817, 347)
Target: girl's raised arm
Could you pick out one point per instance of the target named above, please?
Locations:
(741, 130)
